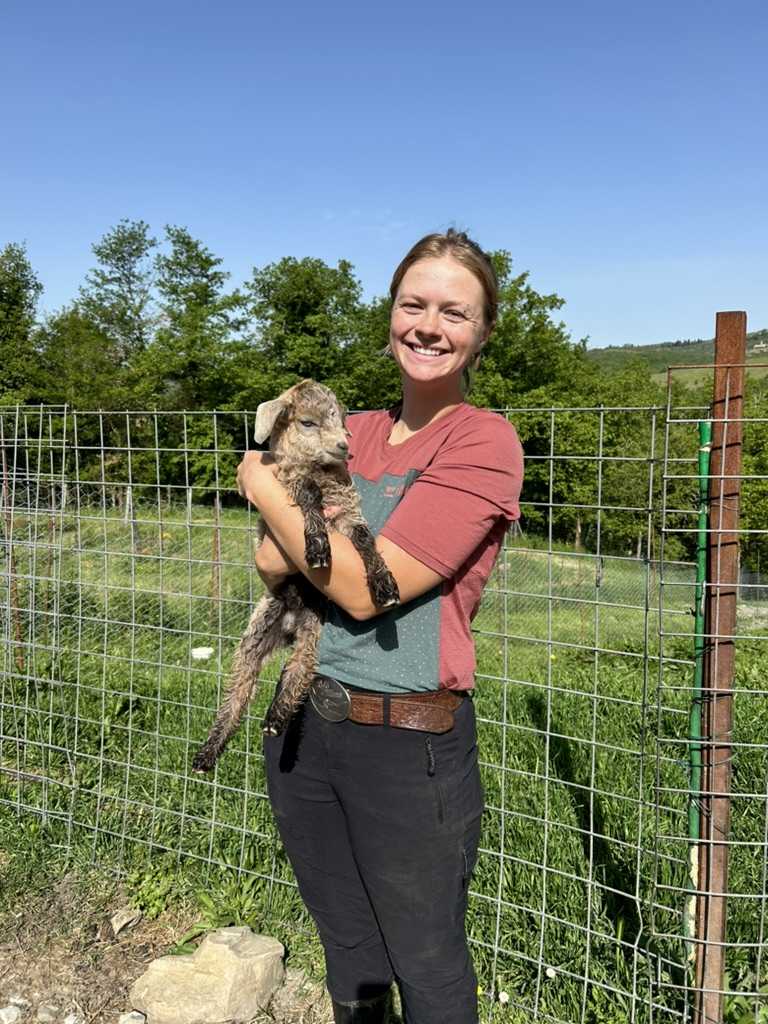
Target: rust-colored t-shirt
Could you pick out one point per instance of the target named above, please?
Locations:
(446, 496)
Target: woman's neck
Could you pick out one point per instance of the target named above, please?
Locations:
(419, 409)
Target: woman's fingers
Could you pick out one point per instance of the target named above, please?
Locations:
(252, 465)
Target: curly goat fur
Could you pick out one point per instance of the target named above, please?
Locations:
(308, 440)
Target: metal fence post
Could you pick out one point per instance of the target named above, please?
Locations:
(719, 654)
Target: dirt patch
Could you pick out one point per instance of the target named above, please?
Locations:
(60, 949)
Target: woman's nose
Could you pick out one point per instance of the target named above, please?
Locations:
(429, 323)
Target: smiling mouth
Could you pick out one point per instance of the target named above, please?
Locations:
(424, 350)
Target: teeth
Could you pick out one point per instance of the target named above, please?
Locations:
(426, 351)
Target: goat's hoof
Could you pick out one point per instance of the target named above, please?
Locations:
(271, 726)
(203, 763)
(317, 552)
(318, 563)
(385, 593)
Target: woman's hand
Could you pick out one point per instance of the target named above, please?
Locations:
(254, 468)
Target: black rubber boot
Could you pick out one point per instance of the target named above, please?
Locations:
(364, 1011)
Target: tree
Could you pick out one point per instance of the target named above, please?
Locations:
(19, 292)
(79, 364)
(305, 313)
(365, 378)
(117, 296)
(182, 367)
(528, 351)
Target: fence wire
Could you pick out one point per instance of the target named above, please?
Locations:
(127, 578)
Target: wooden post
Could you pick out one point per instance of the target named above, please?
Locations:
(720, 625)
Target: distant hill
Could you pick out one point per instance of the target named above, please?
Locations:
(672, 353)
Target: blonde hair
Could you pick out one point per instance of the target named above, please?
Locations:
(460, 247)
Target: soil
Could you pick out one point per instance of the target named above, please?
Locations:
(60, 949)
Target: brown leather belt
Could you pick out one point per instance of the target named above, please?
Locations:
(428, 711)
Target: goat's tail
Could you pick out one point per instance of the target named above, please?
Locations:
(263, 636)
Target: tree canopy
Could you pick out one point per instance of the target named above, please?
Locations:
(156, 325)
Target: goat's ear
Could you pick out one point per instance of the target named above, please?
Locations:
(266, 417)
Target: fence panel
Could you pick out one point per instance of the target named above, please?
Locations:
(127, 577)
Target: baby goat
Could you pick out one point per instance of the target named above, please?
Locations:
(308, 440)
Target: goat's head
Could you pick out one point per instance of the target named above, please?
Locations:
(305, 425)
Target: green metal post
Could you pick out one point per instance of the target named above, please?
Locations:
(695, 720)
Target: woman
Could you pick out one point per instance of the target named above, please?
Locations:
(380, 811)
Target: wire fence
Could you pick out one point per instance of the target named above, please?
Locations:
(127, 578)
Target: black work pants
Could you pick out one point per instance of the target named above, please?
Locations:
(381, 826)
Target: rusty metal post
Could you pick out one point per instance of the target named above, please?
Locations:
(720, 625)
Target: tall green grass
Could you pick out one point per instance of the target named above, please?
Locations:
(576, 903)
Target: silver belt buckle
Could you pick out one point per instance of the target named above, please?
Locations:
(329, 699)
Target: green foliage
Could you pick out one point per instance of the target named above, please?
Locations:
(754, 498)
(19, 292)
(305, 314)
(529, 353)
(79, 365)
(230, 900)
(117, 295)
(181, 367)
(153, 885)
(656, 358)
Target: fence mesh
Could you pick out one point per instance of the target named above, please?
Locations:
(127, 578)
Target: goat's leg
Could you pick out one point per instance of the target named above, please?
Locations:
(317, 547)
(296, 677)
(381, 582)
(263, 635)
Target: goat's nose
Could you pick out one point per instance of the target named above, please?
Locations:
(342, 446)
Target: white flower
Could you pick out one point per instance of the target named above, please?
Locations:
(201, 653)
(551, 972)
(503, 997)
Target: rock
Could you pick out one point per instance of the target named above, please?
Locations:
(10, 1014)
(230, 976)
(73, 1018)
(47, 1013)
(19, 1001)
(126, 917)
(134, 1017)
(297, 996)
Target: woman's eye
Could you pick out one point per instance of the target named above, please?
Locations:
(411, 306)
(307, 423)
(455, 314)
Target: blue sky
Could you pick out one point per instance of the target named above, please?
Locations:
(619, 151)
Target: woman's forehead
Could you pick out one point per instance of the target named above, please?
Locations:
(443, 274)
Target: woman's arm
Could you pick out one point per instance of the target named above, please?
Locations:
(344, 581)
(272, 564)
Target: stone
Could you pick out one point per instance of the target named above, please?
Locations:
(126, 917)
(232, 975)
(19, 1001)
(47, 1013)
(134, 1017)
(10, 1014)
(297, 996)
(73, 1018)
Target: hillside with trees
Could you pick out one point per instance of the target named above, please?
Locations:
(673, 353)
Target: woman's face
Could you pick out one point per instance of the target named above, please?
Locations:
(437, 323)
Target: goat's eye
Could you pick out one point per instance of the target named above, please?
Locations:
(307, 423)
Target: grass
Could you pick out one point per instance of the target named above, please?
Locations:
(576, 903)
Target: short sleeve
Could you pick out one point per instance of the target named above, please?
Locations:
(470, 487)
